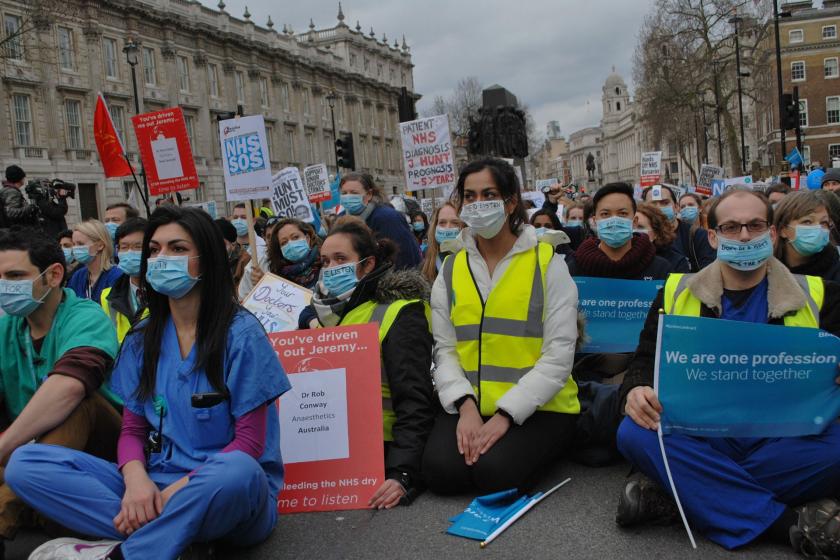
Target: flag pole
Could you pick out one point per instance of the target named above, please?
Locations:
(143, 196)
(534, 501)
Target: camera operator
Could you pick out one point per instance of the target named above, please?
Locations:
(15, 211)
(51, 199)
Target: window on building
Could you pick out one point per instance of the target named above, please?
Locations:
(833, 151)
(379, 70)
(372, 117)
(363, 161)
(339, 108)
(829, 32)
(832, 109)
(269, 140)
(796, 36)
(377, 156)
(803, 112)
(806, 154)
(239, 82)
(353, 60)
(13, 39)
(189, 123)
(367, 64)
(149, 70)
(23, 119)
(675, 168)
(307, 101)
(109, 54)
(830, 68)
(184, 73)
(359, 118)
(118, 116)
(73, 113)
(747, 154)
(402, 78)
(213, 79)
(797, 71)
(66, 56)
(310, 147)
(291, 139)
(265, 100)
(284, 97)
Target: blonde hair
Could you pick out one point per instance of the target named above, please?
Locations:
(429, 268)
(96, 232)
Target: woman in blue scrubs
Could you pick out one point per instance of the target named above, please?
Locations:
(199, 379)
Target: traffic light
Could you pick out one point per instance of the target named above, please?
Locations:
(344, 151)
(790, 112)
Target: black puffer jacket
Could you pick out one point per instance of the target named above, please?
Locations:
(825, 264)
(407, 357)
(14, 210)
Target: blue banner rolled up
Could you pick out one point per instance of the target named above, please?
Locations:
(719, 378)
(615, 312)
(486, 513)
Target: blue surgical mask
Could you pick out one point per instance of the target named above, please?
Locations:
(574, 223)
(295, 250)
(541, 231)
(668, 211)
(689, 214)
(446, 234)
(810, 240)
(112, 229)
(16, 297)
(418, 226)
(82, 254)
(338, 280)
(353, 203)
(170, 276)
(241, 226)
(130, 262)
(68, 254)
(745, 255)
(615, 231)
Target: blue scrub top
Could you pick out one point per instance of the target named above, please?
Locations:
(193, 435)
(79, 282)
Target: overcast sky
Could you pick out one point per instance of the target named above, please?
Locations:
(554, 55)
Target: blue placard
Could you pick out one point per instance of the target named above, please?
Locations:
(733, 379)
(615, 312)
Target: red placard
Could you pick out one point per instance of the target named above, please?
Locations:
(331, 420)
(649, 180)
(165, 151)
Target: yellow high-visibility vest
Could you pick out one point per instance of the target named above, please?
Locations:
(678, 300)
(385, 314)
(121, 322)
(500, 340)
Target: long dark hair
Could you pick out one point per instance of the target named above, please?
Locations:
(217, 305)
(505, 178)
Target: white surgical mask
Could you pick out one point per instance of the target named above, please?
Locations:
(485, 218)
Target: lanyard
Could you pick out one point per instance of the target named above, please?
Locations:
(29, 350)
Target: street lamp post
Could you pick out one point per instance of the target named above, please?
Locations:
(735, 21)
(717, 112)
(780, 88)
(331, 98)
(131, 50)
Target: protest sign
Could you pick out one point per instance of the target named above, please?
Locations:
(615, 312)
(704, 181)
(537, 197)
(539, 184)
(165, 151)
(651, 168)
(427, 154)
(245, 158)
(426, 205)
(288, 196)
(317, 181)
(719, 186)
(331, 434)
(335, 195)
(277, 303)
(208, 206)
(721, 378)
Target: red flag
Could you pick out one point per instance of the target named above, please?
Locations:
(108, 143)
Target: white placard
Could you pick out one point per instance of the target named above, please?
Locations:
(277, 303)
(651, 164)
(537, 197)
(317, 181)
(245, 158)
(426, 205)
(167, 159)
(540, 183)
(288, 196)
(427, 154)
(208, 206)
(313, 417)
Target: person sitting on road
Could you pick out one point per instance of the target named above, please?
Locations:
(511, 407)
(735, 490)
(122, 302)
(652, 222)
(446, 226)
(94, 250)
(292, 253)
(691, 241)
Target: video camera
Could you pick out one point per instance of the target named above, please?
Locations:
(45, 188)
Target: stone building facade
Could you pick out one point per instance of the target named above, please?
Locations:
(207, 62)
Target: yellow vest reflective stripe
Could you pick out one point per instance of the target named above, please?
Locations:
(500, 340)
(385, 314)
(121, 322)
(678, 300)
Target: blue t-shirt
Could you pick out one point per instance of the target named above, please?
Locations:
(191, 436)
(746, 305)
(79, 282)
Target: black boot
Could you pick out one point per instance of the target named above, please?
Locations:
(644, 501)
(817, 531)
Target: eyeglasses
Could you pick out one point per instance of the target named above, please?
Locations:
(734, 228)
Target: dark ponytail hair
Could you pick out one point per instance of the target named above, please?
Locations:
(365, 243)
(504, 177)
(217, 304)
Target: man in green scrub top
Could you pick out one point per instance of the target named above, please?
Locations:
(56, 351)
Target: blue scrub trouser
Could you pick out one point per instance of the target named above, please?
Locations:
(732, 489)
(227, 498)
